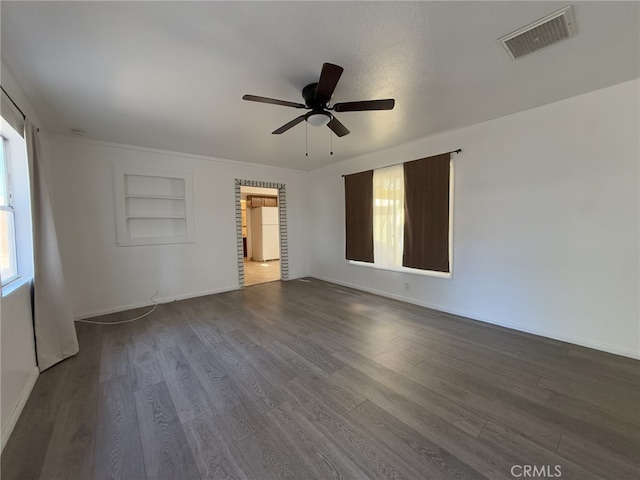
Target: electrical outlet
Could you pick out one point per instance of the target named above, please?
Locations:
(407, 285)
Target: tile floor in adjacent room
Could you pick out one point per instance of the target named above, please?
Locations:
(261, 272)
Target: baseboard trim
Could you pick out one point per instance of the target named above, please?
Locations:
(22, 401)
(583, 342)
(123, 308)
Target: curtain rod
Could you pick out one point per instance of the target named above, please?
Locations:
(24, 117)
(452, 151)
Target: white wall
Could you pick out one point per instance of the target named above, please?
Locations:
(546, 215)
(19, 371)
(103, 277)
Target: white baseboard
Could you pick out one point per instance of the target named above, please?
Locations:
(198, 294)
(24, 396)
(131, 306)
(147, 303)
(584, 342)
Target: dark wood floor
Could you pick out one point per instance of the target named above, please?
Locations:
(308, 380)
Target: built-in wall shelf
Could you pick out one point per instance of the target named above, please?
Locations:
(153, 206)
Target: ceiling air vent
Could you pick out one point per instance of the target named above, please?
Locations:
(537, 35)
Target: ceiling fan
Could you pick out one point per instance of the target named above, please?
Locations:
(316, 98)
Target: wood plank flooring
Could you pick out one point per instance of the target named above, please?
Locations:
(308, 380)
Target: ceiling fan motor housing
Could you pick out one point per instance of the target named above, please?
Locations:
(309, 95)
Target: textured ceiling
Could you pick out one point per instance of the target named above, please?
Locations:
(171, 75)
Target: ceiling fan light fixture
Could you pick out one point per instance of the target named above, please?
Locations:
(318, 119)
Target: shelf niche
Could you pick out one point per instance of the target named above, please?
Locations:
(153, 206)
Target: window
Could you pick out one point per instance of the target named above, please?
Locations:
(410, 226)
(388, 216)
(16, 238)
(8, 257)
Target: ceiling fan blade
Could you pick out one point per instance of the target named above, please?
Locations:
(289, 125)
(328, 80)
(386, 104)
(338, 128)
(273, 101)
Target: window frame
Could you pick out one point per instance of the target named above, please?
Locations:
(9, 207)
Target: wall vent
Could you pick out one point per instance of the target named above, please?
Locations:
(537, 35)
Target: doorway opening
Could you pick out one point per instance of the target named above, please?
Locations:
(261, 231)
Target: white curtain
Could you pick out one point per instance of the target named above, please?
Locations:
(388, 216)
(53, 319)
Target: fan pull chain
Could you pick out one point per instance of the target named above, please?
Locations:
(306, 139)
(331, 141)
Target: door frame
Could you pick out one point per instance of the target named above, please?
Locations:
(282, 219)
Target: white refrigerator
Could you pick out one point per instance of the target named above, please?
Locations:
(265, 233)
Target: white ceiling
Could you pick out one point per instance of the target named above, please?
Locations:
(171, 75)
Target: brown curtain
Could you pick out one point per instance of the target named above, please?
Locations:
(358, 196)
(426, 213)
